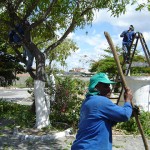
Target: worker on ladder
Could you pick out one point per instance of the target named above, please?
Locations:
(128, 36)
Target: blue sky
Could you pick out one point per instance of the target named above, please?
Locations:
(93, 43)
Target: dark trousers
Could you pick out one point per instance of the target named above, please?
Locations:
(126, 51)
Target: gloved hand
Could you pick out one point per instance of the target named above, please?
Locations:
(136, 109)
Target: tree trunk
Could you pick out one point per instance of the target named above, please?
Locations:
(42, 110)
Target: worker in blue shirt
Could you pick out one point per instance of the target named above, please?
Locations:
(98, 114)
(128, 36)
(14, 38)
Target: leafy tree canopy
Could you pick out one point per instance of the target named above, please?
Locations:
(62, 52)
(53, 19)
(107, 64)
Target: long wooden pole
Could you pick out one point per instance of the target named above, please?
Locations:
(125, 85)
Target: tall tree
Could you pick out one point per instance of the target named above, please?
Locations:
(50, 23)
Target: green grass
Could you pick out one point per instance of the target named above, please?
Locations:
(21, 115)
(17, 115)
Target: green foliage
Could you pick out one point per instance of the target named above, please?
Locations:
(143, 5)
(119, 7)
(20, 114)
(131, 125)
(53, 19)
(140, 70)
(107, 63)
(9, 66)
(65, 108)
(62, 52)
(29, 82)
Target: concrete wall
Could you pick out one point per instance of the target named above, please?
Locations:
(22, 79)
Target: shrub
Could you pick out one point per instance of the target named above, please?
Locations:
(65, 108)
(29, 82)
(131, 125)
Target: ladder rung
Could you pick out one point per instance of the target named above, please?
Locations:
(113, 97)
(118, 81)
(116, 93)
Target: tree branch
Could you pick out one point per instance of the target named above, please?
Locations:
(30, 9)
(17, 3)
(70, 29)
(35, 24)
(32, 74)
(39, 43)
(51, 47)
(11, 11)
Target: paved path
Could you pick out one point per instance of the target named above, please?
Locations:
(120, 142)
(14, 93)
(33, 139)
(10, 142)
(17, 95)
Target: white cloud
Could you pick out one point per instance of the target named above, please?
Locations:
(138, 18)
(92, 48)
(146, 35)
(71, 35)
(93, 44)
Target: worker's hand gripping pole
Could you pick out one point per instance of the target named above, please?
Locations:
(125, 85)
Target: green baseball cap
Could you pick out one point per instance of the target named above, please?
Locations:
(95, 79)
